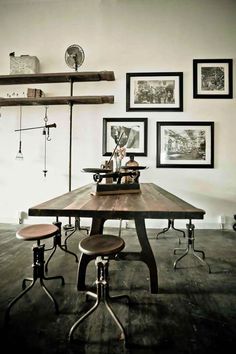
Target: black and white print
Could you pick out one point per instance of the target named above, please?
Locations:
(185, 144)
(154, 91)
(130, 133)
(212, 78)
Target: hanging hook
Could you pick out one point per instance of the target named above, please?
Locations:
(47, 138)
(45, 153)
(19, 155)
(48, 135)
(46, 115)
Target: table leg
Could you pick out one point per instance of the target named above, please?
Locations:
(147, 255)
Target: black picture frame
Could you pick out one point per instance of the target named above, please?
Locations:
(136, 130)
(185, 144)
(154, 91)
(213, 78)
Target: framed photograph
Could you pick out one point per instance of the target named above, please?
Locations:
(212, 78)
(154, 91)
(185, 144)
(134, 135)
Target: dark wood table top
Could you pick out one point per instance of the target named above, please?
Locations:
(152, 203)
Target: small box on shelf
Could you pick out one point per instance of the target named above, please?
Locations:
(24, 64)
(31, 92)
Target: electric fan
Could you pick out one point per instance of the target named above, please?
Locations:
(74, 56)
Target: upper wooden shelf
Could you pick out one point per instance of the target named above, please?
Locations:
(63, 100)
(57, 77)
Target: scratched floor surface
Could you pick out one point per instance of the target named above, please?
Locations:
(194, 311)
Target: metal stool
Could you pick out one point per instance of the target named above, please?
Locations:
(57, 243)
(190, 248)
(72, 229)
(234, 225)
(170, 225)
(101, 247)
(36, 233)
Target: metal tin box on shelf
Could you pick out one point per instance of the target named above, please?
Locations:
(24, 64)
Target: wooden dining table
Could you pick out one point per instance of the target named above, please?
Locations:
(153, 202)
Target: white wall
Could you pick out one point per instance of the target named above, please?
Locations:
(123, 36)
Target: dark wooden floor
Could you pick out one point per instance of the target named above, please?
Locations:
(194, 312)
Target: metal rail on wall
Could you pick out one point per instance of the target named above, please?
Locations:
(69, 227)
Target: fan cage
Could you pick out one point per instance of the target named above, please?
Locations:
(74, 56)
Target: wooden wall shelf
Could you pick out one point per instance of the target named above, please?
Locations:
(45, 78)
(62, 100)
(57, 77)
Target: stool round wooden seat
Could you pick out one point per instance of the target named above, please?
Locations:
(102, 247)
(37, 233)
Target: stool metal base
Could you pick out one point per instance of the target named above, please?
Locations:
(170, 225)
(190, 248)
(57, 243)
(73, 229)
(38, 273)
(102, 295)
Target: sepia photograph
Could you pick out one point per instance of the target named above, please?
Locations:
(185, 144)
(154, 91)
(212, 78)
(130, 133)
